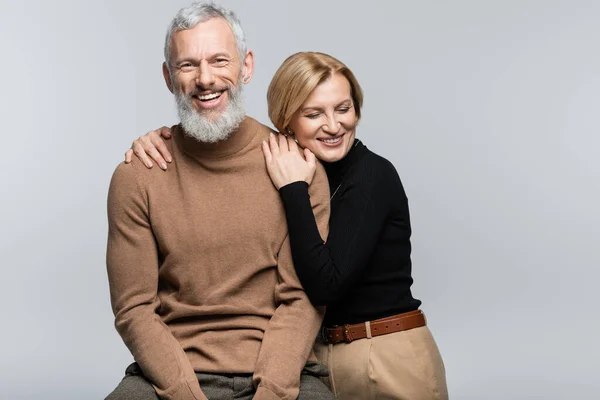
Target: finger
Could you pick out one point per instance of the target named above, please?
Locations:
(157, 157)
(310, 157)
(150, 149)
(273, 145)
(128, 155)
(283, 146)
(161, 146)
(140, 153)
(292, 144)
(165, 132)
(267, 152)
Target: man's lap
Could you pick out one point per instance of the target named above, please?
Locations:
(133, 387)
(221, 387)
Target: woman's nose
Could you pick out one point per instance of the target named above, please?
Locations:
(332, 125)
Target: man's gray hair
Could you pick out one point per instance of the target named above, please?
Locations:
(190, 16)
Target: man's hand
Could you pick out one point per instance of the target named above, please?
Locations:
(151, 146)
(285, 164)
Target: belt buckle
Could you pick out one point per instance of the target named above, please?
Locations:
(347, 335)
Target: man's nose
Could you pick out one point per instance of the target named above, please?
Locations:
(205, 77)
(332, 125)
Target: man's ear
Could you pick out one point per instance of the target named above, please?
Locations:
(167, 76)
(248, 67)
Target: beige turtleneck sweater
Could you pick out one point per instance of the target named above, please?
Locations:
(200, 269)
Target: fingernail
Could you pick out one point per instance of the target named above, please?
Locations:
(271, 134)
(149, 165)
(163, 166)
(169, 159)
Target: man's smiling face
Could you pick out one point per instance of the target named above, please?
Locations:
(205, 66)
(206, 74)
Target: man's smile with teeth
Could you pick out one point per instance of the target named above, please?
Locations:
(209, 96)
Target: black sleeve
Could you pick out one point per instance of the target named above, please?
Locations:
(327, 269)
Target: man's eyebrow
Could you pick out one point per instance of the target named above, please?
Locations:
(221, 54)
(185, 59)
(317, 108)
(195, 60)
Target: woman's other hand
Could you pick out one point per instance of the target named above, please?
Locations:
(150, 147)
(285, 164)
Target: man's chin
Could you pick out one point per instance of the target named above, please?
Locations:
(210, 121)
(210, 115)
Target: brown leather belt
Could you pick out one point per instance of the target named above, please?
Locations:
(395, 323)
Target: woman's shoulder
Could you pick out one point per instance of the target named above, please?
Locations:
(377, 166)
(381, 175)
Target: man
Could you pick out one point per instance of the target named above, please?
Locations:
(201, 277)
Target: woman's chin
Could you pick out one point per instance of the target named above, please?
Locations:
(330, 157)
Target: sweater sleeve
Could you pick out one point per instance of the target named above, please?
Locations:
(132, 265)
(291, 332)
(327, 269)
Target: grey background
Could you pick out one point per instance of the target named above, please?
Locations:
(488, 109)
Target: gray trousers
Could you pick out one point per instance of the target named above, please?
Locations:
(222, 387)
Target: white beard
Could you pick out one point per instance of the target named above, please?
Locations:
(198, 126)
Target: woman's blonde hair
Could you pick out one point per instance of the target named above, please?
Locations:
(295, 80)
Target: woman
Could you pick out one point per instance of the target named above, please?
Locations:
(375, 340)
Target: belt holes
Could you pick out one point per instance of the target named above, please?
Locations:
(386, 327)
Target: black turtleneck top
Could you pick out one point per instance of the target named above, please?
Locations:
(363, 271)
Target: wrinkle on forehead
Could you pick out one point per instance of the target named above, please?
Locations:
(204, 40)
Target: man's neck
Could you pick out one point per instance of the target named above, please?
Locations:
(236, 141)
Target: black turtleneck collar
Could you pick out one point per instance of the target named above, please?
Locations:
(337, 170)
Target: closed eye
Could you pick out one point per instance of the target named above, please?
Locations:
(186, 66)
(221, 61)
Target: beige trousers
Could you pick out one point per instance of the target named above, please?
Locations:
(404, 365)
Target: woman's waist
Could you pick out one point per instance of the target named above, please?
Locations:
(365, 308)
(371, 328)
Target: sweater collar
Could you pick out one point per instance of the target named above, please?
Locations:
(337, 170)
(238, 139)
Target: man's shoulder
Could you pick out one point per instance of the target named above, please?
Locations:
(130, 171)
(125, 177)
(135, 174)
(136, 170)
(263, 130)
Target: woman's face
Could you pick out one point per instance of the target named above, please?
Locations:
(326, 122)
